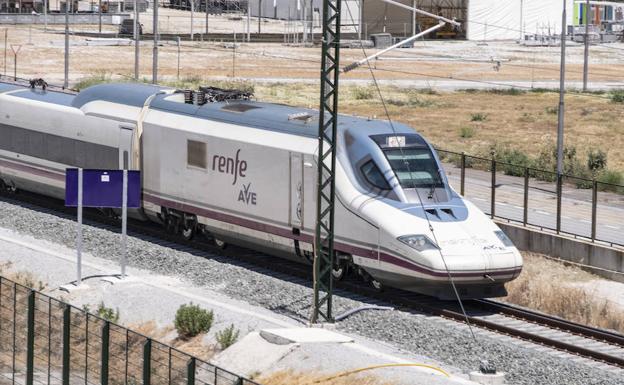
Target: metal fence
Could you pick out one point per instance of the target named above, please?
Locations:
(578, 207)
(46, 341)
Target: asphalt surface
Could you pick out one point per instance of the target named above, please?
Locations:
(576, 204)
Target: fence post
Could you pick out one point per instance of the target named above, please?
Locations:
(594, 209)
(190, 372)
(30, 339)
(559, 193)
(525, 215)
(147, 362)
(105, 353)
(463, 174)
(14, 331)
(66, 347)
(493, 197)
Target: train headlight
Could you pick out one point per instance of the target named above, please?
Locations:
(504, 238)
(418, 242)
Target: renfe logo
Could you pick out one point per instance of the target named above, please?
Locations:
(227, 165)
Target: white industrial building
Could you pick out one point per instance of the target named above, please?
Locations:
(481, 19)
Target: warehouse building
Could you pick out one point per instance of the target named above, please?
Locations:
(480, 19)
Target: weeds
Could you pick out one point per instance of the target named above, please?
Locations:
(98, 78)
(552, 110)
(506, 91)
(478, 117)
(362, 93)
(108, 313)
(466, 132)
(616, 96)
(227, 337)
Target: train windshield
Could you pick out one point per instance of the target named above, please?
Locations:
(411, 160)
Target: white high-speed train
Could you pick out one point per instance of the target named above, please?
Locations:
(245, 173)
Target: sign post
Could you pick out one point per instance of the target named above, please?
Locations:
(120, 189)
(79, 231)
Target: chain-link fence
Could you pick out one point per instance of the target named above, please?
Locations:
(46, 341)
(566, 204)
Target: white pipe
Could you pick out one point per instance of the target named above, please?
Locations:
(356, 64)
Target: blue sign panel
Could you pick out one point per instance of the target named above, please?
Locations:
(102, 188)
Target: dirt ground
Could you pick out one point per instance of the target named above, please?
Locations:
(288, 74)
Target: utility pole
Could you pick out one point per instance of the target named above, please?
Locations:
(137, 40)
(66, 76)
(206, 1)
(100, 16)
(561, 93)
(6, 41)
(155, 51)
(259, 15)
(248, 21)
(328, 126)
(178, 73)
(192, 13)
(561, 113)
(586, 56)
(45, 16)
(15, 53)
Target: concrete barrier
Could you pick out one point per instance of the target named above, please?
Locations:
(599, 259)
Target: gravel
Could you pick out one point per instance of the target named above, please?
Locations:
(446, 342)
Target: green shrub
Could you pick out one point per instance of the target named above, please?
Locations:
(616, 96)
(506, 91)
(191, 320)
(416, 100)
(515, 161)
(540, 90)
(611, 177)
(227, 336)
(552, 110)
(108, 313)
(92, 80)
(596, 160)
(363, 93)
(396, 102)
(466, 132)
(478, 117)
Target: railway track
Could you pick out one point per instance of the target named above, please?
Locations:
(561, 335)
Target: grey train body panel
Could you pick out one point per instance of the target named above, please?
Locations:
(245, 172)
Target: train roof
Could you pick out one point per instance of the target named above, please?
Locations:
(266, 116)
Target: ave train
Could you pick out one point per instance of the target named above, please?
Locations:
(244, 172)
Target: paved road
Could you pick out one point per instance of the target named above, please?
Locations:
(542, 209)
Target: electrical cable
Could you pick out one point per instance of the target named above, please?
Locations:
(431, 229)
(354, 371)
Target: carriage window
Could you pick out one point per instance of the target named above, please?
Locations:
(374, 176)
(196, 154)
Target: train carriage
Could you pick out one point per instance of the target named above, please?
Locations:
(244, 172)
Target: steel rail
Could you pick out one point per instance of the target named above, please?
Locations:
(408, 300)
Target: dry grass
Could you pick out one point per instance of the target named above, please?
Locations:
(518, 121)
(547, 286)
(288, 377)
(194, 346)
(22, 277)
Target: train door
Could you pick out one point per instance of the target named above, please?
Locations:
(125, 147)
(296, 190)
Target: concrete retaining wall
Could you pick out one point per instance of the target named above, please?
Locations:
(59, 18)
(602, 260)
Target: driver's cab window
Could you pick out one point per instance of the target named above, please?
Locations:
(373, 176)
